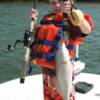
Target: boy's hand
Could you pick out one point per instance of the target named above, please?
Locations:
(77, 17)
(34, 14)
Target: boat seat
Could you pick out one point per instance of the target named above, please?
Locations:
(83, 87)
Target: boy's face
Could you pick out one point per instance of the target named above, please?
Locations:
(55, 5)
(66, 5)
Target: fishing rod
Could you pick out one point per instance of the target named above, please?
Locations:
(27, 60)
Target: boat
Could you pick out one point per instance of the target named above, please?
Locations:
(86, 86)
(93, 91)
(32, 89)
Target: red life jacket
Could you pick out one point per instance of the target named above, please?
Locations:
(89, 19)
(47, 38)
(44, 49)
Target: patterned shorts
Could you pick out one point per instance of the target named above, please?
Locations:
(50, 88)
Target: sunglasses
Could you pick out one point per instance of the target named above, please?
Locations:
(54, 2)
(62, 0)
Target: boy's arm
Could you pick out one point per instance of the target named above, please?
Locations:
(83, 21)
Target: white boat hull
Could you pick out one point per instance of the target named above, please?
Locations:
(32, 89)
(93, 94)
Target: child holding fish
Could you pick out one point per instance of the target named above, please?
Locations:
(53, 47)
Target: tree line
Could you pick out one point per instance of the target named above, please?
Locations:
(14, 0)
(46, 0)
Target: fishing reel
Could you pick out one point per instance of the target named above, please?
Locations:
(26, 40)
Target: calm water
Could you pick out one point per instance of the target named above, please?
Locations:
(14, 20)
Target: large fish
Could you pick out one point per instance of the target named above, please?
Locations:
(63, 71)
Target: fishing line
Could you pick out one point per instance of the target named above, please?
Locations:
(3, 51)
(35, 4)
(10, 59)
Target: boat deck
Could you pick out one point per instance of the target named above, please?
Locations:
(32, 88)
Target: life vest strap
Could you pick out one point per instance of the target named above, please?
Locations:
(70, 46)
(51, 72)
(59, 24)
(46, 42)
(49, 56)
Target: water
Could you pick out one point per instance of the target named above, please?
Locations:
(15, 19)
